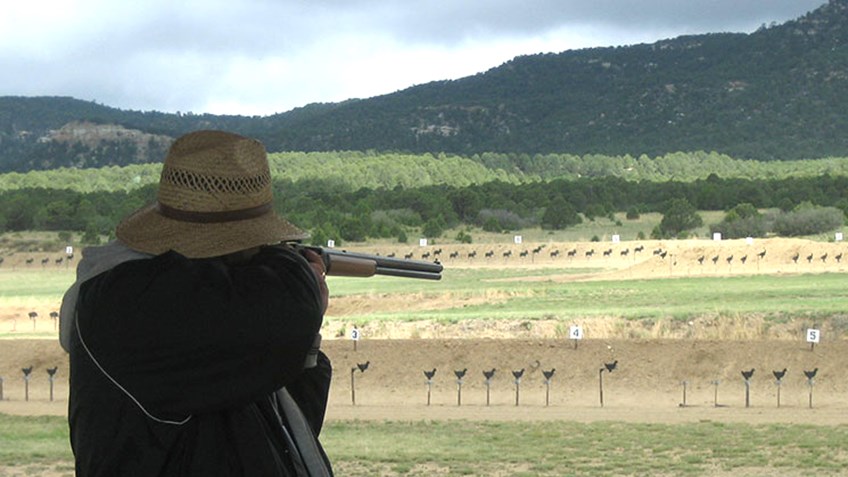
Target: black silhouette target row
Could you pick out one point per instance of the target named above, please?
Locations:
(460, 376)
(34, 316)
(808, 256)
(28, 376)
(46, 260)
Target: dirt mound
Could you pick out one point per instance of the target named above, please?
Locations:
(646, 384)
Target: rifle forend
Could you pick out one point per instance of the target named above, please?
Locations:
(351, 264)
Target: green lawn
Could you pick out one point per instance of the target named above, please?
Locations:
(454, 448)
(776, 297)
(603, 448)
(35, 284)
(489, 294)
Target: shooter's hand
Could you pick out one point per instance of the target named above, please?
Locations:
(317, 264)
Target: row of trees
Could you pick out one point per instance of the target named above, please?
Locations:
(806, 218)
(353, 170)
(330, 212)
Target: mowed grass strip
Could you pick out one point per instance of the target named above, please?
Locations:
(567, 448)
(472, 448)
(33, 439)
(35, 283)
(524, 294)
(33, 290)
(775, 296)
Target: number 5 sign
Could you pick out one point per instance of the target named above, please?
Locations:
(813, 337)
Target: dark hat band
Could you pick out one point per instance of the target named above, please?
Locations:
(213, 217)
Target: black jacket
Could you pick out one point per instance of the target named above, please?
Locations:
(176, 361)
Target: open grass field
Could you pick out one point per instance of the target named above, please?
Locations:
(514, 448)
(666, 320)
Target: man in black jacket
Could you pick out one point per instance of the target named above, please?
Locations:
(193, 338)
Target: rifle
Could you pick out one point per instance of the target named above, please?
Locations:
(342, 263)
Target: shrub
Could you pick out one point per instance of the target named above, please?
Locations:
(595, 210)
(354, 228)
(560, 214)
(744, 220)
(434, 227)
(806, 220)
(741, 228)
(90, 236)
(406, 217)
(499, 220)
(842, 204)
(680, 216)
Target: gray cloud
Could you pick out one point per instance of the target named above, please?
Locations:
(450, 20)
(263, 56)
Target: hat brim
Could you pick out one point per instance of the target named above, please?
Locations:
(146, 230)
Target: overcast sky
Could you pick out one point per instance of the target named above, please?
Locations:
(265, 56)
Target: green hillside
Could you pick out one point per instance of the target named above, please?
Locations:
(775, 94)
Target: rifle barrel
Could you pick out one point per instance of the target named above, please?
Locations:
(391, 262)
(353, 264)
(397, 272)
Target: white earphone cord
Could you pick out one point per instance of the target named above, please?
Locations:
(96, 363)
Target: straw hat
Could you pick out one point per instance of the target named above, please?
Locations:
(214, 199)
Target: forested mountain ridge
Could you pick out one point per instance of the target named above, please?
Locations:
(777, 93)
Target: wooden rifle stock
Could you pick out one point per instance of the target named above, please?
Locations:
(342, 263)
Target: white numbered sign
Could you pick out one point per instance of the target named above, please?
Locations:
(813, 335)
(69, 250)
(331, 243)
(575, 333)
(517, 239)
(354, 334)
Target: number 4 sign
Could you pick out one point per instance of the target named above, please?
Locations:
(575, 333)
